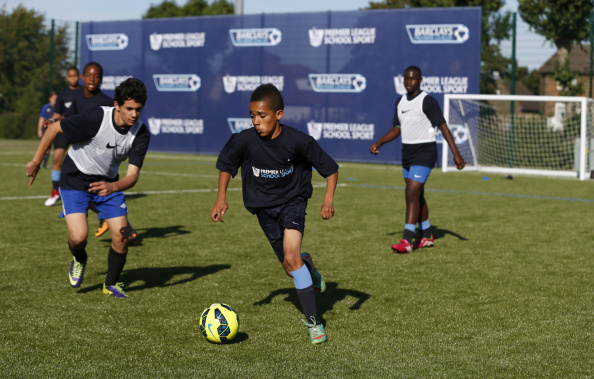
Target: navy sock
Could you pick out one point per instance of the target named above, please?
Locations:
(115, 265)
(307, 298)
(408, 235)
(305, 293)
(80, 255)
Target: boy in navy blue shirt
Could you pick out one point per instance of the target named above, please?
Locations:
(276, 167)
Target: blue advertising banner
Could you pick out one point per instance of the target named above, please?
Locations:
(340, 73)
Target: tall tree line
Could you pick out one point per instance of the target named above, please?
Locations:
(24, 69)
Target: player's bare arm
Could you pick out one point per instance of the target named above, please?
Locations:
(127, 182)
(391, 135)
(221, 206)
(327, 211)
(46, 141)
(447, 135)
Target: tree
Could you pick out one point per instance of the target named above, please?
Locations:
(563, 22)
(567, 79)
(530, 79)
(496, 27)
(24, 69)
(169, 8)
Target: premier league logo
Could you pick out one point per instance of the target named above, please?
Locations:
(238, 124)
(154, 125)
(256, 171)
(255, 37)
(230, 83)
(156, 40)
(315, 129)
(348, 83)
(115, 41)
(399, 84)
(177, 82)
(316, 36)
(438, 33)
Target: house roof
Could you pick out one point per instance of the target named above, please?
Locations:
(579, 59)
(526, 106)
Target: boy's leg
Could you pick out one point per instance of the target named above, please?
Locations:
(415, 178)
(303, 284)
(77, 241)
(116, 258)
(113, 209)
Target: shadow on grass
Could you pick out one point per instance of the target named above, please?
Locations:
(437, 233)
(160, 277)
(325, 301)
(168, 231)
(240, 337)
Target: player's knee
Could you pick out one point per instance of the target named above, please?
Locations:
(77, 242)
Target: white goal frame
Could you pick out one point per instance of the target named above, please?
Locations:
(582, 173)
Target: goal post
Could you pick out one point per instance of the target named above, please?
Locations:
(516, 134)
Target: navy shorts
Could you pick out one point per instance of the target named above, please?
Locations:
(61, 142)
(275, 220)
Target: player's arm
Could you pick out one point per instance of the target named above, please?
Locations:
(127, 182)
(40, 125)
(391, 135)
(328, 203)
(220, 206)
(447, 135)
(46, 141)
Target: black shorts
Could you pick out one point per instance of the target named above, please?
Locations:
(275, 220)
(61, 142)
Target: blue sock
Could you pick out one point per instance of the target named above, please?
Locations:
(302, 278)
(56, 175)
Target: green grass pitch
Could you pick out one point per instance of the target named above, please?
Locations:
(507, 291)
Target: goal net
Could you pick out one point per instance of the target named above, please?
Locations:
(541, 135)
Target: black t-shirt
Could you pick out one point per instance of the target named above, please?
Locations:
(64, 100)
(421, 154)
(85, 126)
(81, 103)
(274, 171)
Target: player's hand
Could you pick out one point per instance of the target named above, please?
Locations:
(459, 161)
(32, 169)
(374, 149)
(327, 210)
(102, 188)
(218, 210)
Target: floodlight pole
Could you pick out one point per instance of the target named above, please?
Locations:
(238, 7)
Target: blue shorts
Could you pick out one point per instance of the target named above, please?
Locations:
(275, 220)
(110, 206)
(417, 173)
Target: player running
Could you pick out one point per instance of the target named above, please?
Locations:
(102, 138)
(415, 117)
(276, 167)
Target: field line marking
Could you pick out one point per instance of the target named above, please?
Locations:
(481, 193)
(196, 190)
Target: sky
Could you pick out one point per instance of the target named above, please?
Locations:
(532, 51)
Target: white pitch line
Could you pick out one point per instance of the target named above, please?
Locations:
(196, 190)
(144, 172)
